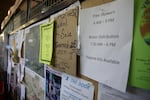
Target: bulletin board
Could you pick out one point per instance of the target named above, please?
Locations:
(32, 43)
(65, 58)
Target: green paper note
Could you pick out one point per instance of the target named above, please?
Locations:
(46, 42)
(140, 64)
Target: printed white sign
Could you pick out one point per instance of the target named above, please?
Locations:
(73, 88)
(106, 38)
(108, 93)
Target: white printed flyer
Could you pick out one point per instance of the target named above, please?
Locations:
(73, 88)
(106, 39)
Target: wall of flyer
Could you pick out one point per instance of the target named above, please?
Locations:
(87, 51)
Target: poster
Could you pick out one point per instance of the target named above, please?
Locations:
(106, 38)
(65, 41)
(20, 70)
(46, 42)
(9, 71)
(32, 48)
(2, 51)
(35, 85)
(19, 38)
(22, 64)
(23, 92)
(140, 62)
(53, 84)
(13, 78)
(12, 48)
(12, 43)
(108, 93)
(73, 88)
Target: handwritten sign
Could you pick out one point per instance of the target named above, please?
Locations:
(73, 88)
(65, 41)
(46, 42)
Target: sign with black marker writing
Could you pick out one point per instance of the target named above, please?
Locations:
(65, 41)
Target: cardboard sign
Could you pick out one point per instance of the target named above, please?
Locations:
(65, 41)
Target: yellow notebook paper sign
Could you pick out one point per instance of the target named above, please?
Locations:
(46, 42)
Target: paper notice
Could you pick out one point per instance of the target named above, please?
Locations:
(106, 37)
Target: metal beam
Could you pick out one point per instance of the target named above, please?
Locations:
(28, 9)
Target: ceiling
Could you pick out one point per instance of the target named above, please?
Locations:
(4, 7)
(12, 6)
